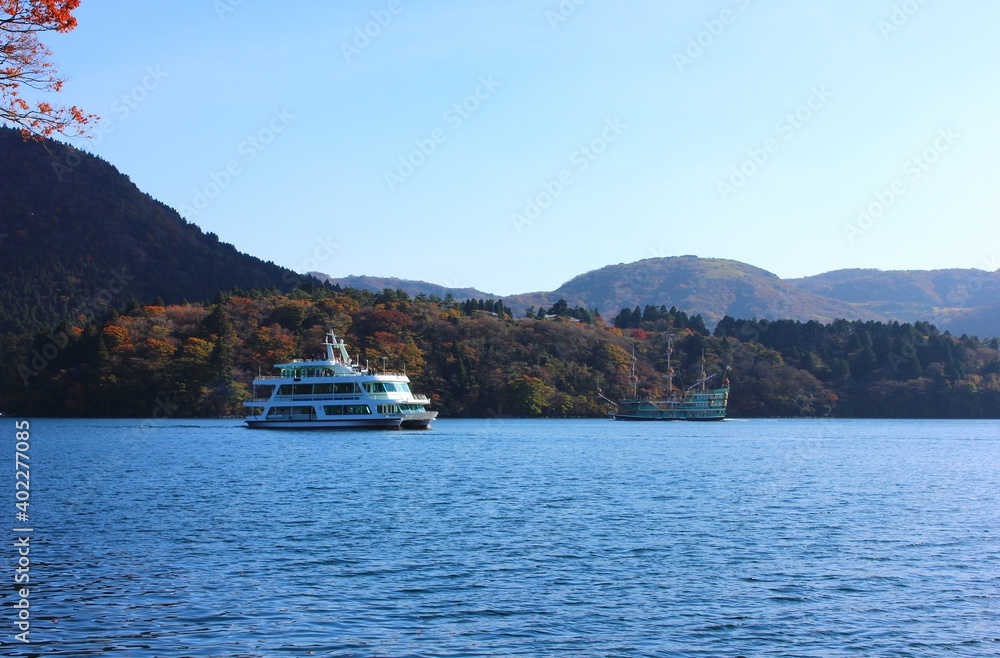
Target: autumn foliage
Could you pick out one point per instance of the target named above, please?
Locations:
(24, 64)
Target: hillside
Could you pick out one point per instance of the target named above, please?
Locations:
(197, 360)
(962, 300)
(77, 235)
(710, 287)
(409, 286)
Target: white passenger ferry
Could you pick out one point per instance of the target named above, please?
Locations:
(335, 393)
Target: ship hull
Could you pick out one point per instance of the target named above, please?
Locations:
(418, 420)
(700, 406)
(650, 418)
(361, 424)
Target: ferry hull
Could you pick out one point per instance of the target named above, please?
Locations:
(418, 420)
(359, 424)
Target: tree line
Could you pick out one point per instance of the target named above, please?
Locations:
(474, 359)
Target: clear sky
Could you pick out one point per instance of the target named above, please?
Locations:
(513, 145)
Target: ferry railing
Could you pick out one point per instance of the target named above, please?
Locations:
(318, 398)
(397, 395)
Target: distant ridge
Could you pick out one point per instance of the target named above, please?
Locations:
(958, 300)
(962, 300)
(77, 236)
(712, 287)
(412, 288)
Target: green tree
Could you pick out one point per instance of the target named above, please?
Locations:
(525, 396)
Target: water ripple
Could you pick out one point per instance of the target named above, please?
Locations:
(517, 538)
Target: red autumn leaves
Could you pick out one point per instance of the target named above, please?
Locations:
(24, 64)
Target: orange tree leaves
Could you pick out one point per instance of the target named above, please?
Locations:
(24, 63)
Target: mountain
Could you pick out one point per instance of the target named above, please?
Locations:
(711, 287)
(412, 288)
(962, 300)
(77, 236)
(959, 300)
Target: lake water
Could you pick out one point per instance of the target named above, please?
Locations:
(512, 538)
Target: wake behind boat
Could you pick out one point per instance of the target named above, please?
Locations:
(695, 403)
(335, 393)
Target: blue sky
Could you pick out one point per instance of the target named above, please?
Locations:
(511, 146)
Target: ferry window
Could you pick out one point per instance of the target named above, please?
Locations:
(346, 388)
(334, 409)
(279, 411)
(286, 389)
(323, 389)
(303, 389)
(405, 388)
(307, 412)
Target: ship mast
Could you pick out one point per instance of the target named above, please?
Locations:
(635, 380)
(704, 377)
(670, 369)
